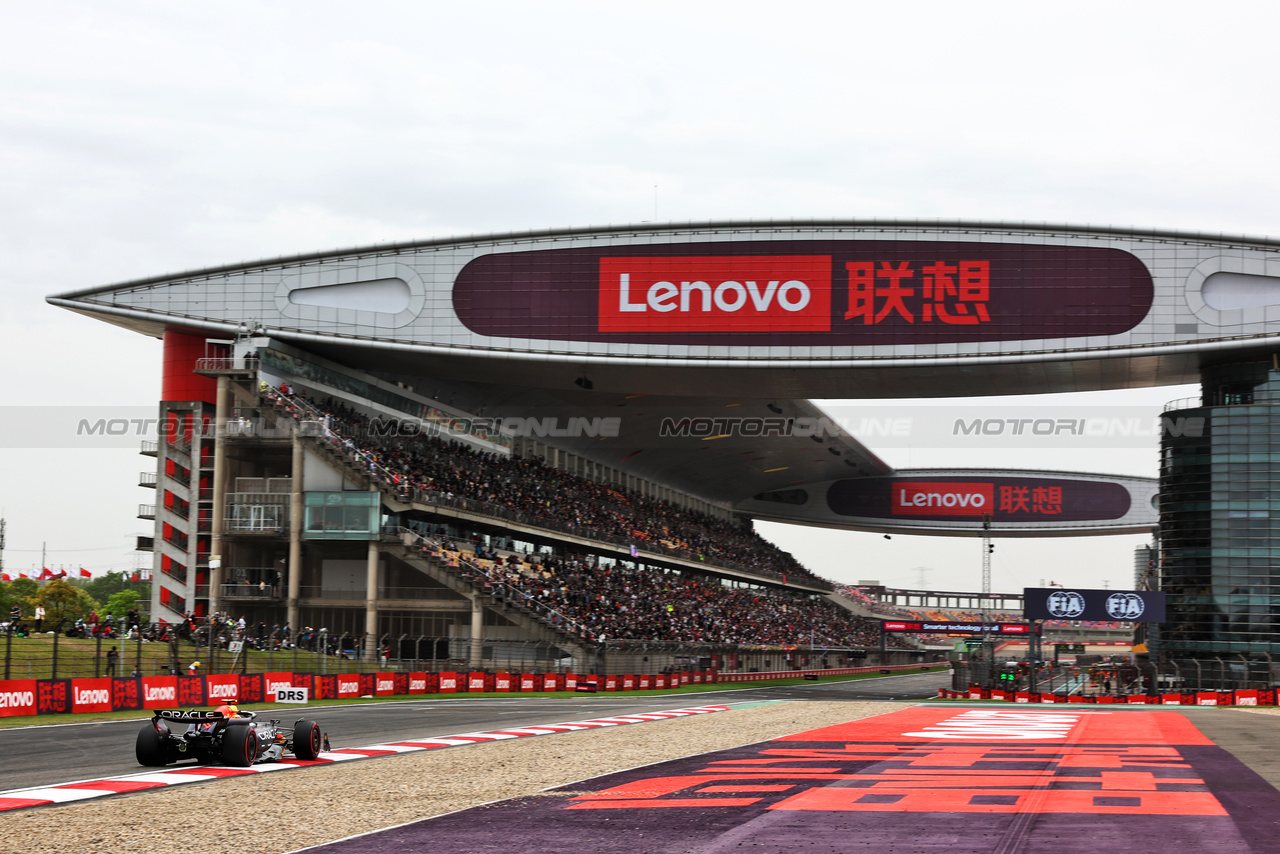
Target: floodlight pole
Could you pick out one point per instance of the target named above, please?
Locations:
(986, 554)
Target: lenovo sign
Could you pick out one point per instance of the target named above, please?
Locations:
(17, 697)
(1003, 497)
(919, 498)
(799, 293)
(91, 695)
(787, 293)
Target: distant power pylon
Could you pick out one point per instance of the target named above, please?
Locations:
(922, 573)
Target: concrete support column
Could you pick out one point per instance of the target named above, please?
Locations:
(295, 536)
(371, 605)
(222, 411)
(477, 634)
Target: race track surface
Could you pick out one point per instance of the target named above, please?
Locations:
(52, 755)
(928, 779)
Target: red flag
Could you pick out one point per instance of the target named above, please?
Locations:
(45, 574)
(62, 574)
(22, 575)
(135, 577)
(84, 573)
(4, 576)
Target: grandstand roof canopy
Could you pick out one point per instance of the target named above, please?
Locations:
(710, 321)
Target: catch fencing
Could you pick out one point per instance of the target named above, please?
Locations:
(54, 655)
(1121, 679)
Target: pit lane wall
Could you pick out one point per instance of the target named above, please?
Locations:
(113, 694)
(1251, 697)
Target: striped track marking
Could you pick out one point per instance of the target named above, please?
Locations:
(88, 789)
(923, 779)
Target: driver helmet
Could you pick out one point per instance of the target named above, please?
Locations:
(229, 710)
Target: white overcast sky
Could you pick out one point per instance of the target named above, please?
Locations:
(143, 138)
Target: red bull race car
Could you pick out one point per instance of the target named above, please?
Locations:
(226, 736)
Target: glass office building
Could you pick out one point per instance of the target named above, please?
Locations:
(1220, 515)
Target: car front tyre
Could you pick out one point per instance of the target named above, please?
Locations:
(306, 739)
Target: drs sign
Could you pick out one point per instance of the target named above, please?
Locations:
(291, 695)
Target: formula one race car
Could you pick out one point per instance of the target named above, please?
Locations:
(226, 735)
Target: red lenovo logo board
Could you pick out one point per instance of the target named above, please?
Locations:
(1005, 498)
(804, 293)
(715, 294)
(915, 498)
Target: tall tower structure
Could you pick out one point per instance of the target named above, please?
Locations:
(1220, 514)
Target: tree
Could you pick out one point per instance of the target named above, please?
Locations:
(65, 601)
(62, 601)
(23, 591)
(120, 602)
(103, 586)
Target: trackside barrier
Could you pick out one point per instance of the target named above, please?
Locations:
(348, 685)
(20, 697)
(718, 678)
(251, 688)
(1242, 697)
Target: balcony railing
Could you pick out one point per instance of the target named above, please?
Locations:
(1184, 403)
(250, 591)
(146, 511)
(147, 478)
(244, 364)
(265, 512)
(181, 542)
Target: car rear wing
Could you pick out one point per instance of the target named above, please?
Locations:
(192, 716)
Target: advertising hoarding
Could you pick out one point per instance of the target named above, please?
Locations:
(1075, 603)
(804, 293)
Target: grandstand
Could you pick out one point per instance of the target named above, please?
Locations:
(475, 548)
(562, 438)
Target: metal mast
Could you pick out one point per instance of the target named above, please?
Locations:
(987, 548)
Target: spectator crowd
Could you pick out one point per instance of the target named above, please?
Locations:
(609, 601)
(619, 602)
(428, 468)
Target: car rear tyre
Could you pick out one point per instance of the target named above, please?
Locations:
(152, 746)
(306, 739)
(239, 746)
